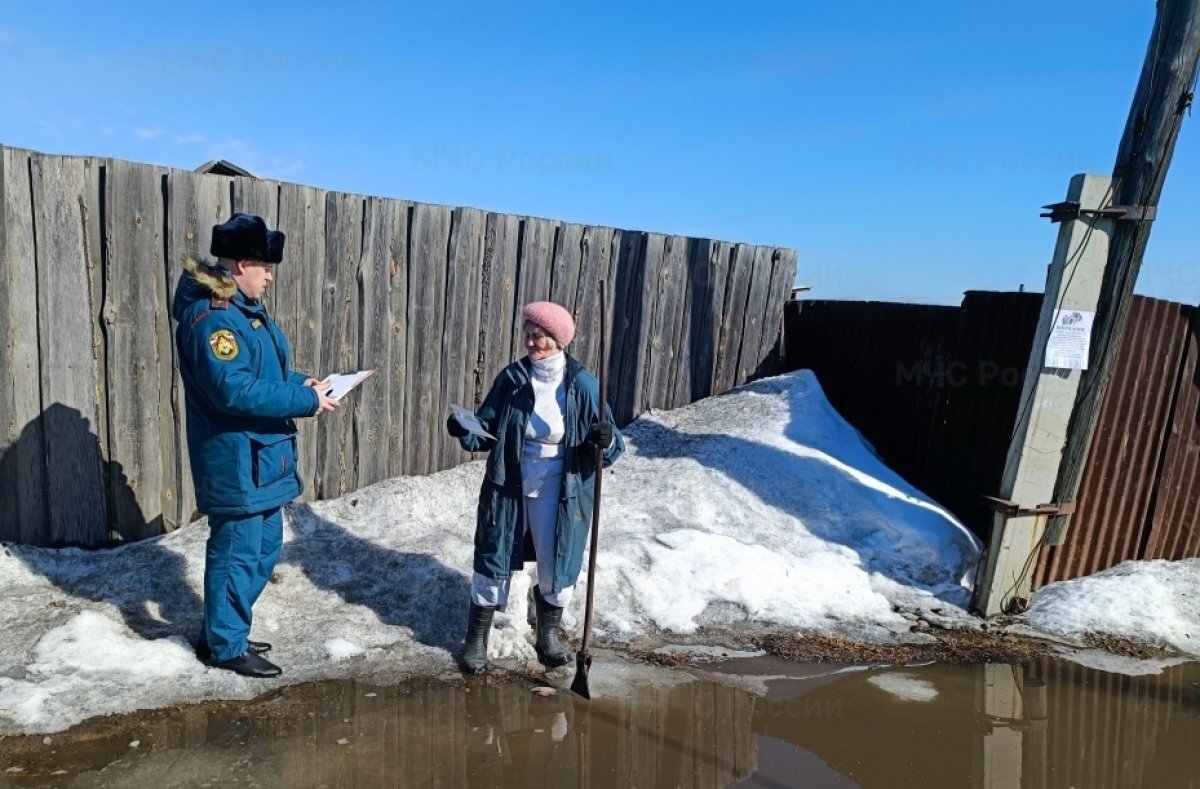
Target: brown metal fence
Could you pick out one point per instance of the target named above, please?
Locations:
(1140, 494)
(92, 446)
(936, 390)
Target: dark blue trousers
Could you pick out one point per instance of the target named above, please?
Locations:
(242, 551)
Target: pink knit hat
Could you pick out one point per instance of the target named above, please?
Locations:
(555, 320)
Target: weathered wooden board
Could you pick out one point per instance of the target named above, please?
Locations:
(460, 329)
(670, 288)
(374, 398)
(783, 275)
(596, 250)
(564, 269)
(733, 317)
(299, 288)
(498, 314)
(613, 299)
(424, 420)
(692, 290)
(625, 357)
(136, 323)
(749, 357)
(719, 266)
(23, 515)
(534, 271)
(337, 447)
(639, 376)
(679, 249)
(195, 202)
(76, 500)
(396, 365)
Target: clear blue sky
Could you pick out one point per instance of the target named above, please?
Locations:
(904, 149)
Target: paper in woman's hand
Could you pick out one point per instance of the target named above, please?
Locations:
(469, 421)
(342, 383)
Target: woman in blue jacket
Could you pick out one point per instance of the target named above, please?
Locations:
(545, 414)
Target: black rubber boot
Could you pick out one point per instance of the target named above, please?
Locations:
(474, 655)
(550, 650)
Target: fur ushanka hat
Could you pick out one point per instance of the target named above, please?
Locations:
(245, 237)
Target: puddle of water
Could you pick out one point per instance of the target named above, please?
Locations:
(757, 722)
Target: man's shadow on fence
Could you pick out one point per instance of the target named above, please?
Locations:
(58, 492)
(806, 486)
(410, 590)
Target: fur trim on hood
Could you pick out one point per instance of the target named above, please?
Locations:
(214, 279)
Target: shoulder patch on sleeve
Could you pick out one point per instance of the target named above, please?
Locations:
(224, 344)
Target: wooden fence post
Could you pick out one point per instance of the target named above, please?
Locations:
(23, 516)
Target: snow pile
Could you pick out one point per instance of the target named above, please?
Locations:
(765, 505)
(1152, 602)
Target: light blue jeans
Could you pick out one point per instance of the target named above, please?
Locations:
(541, 519)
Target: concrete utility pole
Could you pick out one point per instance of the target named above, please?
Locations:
(1164, 94)
(1040, 434)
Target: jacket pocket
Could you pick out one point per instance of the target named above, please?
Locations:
(272, 458)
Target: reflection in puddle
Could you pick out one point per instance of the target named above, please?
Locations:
(759, 722)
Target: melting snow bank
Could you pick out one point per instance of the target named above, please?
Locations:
(764, 506)
(758, 510)
(1156, 603)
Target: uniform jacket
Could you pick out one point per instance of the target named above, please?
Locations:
(240, 394)
(500, 518)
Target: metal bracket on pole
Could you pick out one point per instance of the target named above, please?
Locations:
(1041, 513)
(1069, 209)
(1012, 509)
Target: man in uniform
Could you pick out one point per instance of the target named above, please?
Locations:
(241, 397)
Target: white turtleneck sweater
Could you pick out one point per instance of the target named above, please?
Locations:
(542, 458)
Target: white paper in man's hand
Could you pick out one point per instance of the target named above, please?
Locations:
(342, 383)
(469, 421)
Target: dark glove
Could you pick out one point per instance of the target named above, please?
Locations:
(454, 428)
(600, 435)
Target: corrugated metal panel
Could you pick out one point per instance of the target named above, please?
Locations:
(934, 389)
(995, 336)
(1113, 509)
(1175, 521)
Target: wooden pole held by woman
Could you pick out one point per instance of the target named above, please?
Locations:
(583, 659)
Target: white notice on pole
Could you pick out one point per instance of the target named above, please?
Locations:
(1070, 340)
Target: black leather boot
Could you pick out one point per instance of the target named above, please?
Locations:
(249, 664)
(474, 655)
(550, 650)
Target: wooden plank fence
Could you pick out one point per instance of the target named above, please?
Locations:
(92, 438)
